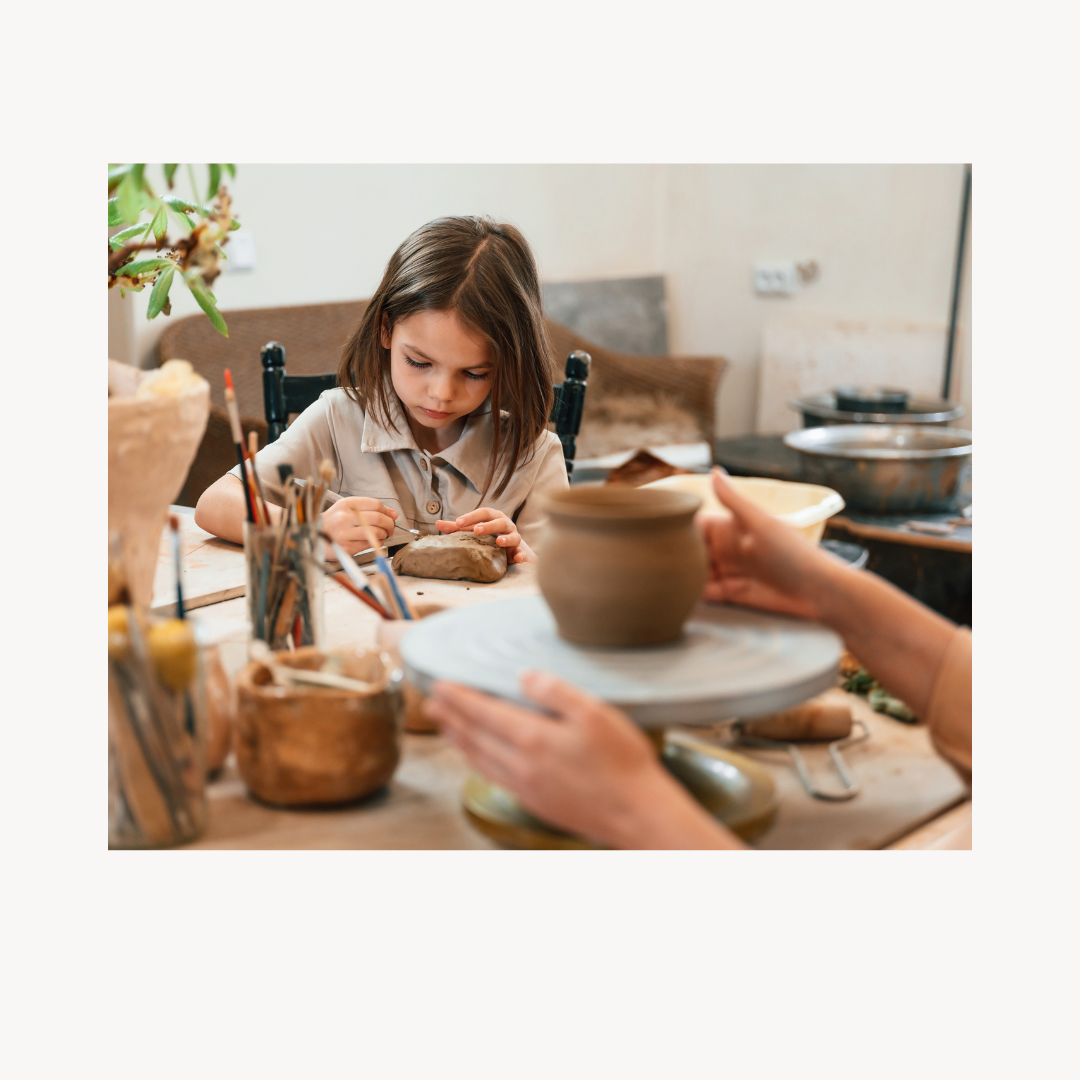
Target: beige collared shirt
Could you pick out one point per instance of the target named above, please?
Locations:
(373, 461)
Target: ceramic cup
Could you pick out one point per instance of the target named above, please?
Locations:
(621, 566)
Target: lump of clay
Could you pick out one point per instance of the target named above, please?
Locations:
(453, 555)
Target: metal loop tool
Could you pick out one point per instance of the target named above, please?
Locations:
(851, 787)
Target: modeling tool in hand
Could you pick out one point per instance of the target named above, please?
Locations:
(238, 439)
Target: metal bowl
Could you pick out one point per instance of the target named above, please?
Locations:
(887, 469)
(872, 399)
(822, 409)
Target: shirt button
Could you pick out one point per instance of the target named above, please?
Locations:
(433, 507)
(423, 464)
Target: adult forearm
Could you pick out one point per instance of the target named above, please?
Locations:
(900, 641)
(661, 816)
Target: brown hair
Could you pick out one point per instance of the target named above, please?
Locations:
(485, 272)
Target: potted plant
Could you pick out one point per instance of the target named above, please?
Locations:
(156, 420)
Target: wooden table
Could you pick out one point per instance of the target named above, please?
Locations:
(905, 784)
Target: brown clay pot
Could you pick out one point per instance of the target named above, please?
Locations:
(389, 634)
(621, 566)
(314, 745)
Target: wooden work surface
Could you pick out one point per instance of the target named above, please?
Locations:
(212, 570)
(905, 784)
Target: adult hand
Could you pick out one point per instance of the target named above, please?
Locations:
(758, 561)
(487, 522)
(342, 522)
(586, 768)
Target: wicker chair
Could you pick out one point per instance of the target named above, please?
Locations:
(625, 395)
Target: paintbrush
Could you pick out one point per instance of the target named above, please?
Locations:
(356, 576)
(367, 597)
(384, 566)
(174, 526)
(238, 439)
(253, 449)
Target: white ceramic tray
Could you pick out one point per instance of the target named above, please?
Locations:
(731, 663)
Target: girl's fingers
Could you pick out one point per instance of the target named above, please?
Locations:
(476, 516)
(377, 521)
(494, 526)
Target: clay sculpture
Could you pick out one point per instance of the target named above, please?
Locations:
(452, 556)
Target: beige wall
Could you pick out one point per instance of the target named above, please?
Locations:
(884, 236)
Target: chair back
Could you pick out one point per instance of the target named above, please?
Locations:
(285, 395)
(570, 404)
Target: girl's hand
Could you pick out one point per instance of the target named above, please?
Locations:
(342, 522)
(485, 522)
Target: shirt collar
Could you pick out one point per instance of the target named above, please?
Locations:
(470, 455)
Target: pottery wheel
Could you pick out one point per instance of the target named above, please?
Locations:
(730, 663)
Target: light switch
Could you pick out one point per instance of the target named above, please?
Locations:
(239, 252)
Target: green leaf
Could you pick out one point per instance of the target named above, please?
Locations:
(159, 296)
(137, 175)
(185, 222)
(174, 202)
(215, 181)
(170, 172)
(206, 301)
(231, 170)
(160, 223)
(114, 212)
(143, 266)
(116, 242)
(117, 173)
(128, 200)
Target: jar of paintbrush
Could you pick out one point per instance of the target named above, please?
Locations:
(158, 720)
(284, 558)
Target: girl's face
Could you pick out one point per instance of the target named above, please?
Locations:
(440, 369)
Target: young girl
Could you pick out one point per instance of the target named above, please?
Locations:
(446, 388)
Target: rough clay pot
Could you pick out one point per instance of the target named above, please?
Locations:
(621, 566)
(310, 745)
(152, 443)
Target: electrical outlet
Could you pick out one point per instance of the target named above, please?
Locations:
(776, 279)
